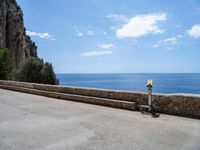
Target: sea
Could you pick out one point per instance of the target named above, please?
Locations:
(163, 82)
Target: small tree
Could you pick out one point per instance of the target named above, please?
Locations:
(5, 68)
(36, 71)
(48, 75)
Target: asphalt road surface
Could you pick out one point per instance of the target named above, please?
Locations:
(30, 122)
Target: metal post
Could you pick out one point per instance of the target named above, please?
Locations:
(149, 96)
(150, 108)
(149, 86)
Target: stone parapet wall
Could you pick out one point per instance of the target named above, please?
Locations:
(183, 104)
(76, 98)
(141, 98)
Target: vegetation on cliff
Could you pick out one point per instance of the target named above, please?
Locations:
(33, 70)
(5, 69)
(37, 71)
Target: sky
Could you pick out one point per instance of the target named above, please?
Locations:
(110, 36)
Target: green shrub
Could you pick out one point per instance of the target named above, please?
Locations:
(48, 75)
(36, 71)
(5, 68)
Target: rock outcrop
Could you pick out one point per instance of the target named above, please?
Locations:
(13, 33)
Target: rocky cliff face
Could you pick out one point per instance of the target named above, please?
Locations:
(13, 33)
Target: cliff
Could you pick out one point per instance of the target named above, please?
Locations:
(13, 33)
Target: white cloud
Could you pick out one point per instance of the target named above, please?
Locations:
(91, 33)
(179, 36)
(169, 48)
(53, 39)
(113, 27)
(44, 35)
(86, 31)
(194, 31)
(79, 34)
(142, 25)
(96, 53)
(106, 46)
(169, 41)
(156, 45)
(104, 33)
(75, 27)
(116, 17)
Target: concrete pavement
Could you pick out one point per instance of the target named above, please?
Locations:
(30, 122)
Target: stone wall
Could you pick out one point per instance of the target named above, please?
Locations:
(182, 105)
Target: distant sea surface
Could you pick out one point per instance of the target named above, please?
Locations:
(163, 83)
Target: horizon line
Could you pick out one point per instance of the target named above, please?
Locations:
(129, 73)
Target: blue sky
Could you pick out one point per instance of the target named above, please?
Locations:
(110, 36)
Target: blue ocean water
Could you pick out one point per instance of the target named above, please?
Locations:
(163, 83)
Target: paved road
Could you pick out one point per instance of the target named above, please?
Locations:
(30, 122)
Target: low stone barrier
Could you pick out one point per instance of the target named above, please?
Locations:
(77, 98)
(182, 105)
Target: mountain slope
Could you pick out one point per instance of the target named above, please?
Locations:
(13, 33)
